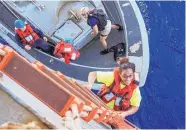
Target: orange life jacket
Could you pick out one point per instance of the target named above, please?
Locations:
(1, 58)
(114, 92)
(28, 36)
(66, 51)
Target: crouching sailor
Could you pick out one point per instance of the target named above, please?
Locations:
(66, 52)
(120, 91)
(28, 36)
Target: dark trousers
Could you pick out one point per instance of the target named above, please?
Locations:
(41, 44)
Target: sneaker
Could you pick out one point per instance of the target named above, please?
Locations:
(103, 52)
(120, 27)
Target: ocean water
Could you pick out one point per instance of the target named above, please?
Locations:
(163, 103)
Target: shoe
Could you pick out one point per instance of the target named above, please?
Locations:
(103, 52)
(120, 27)
(112, 48)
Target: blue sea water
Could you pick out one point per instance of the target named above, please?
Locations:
(163, 103)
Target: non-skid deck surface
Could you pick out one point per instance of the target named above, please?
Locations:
(71, 88)
(36, 83)
(81, 92)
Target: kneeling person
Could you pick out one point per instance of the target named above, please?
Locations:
(66, 52)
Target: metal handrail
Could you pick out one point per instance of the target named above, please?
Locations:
(8, 8)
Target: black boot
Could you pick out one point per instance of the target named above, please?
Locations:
(103, 52)
(112, 48)
(51, 51)
(120, 27)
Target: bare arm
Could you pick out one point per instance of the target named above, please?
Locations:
(130, 111)
(92, 78)
(95, 30)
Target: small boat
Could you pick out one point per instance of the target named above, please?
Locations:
(61, 19)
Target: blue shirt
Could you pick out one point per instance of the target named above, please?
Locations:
(92, 21)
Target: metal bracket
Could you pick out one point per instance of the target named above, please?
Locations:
(38, 5)
(3, 30)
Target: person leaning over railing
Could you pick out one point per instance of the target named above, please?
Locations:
(120, 90)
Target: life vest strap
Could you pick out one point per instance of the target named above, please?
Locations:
(123, 97)
(101, 95)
